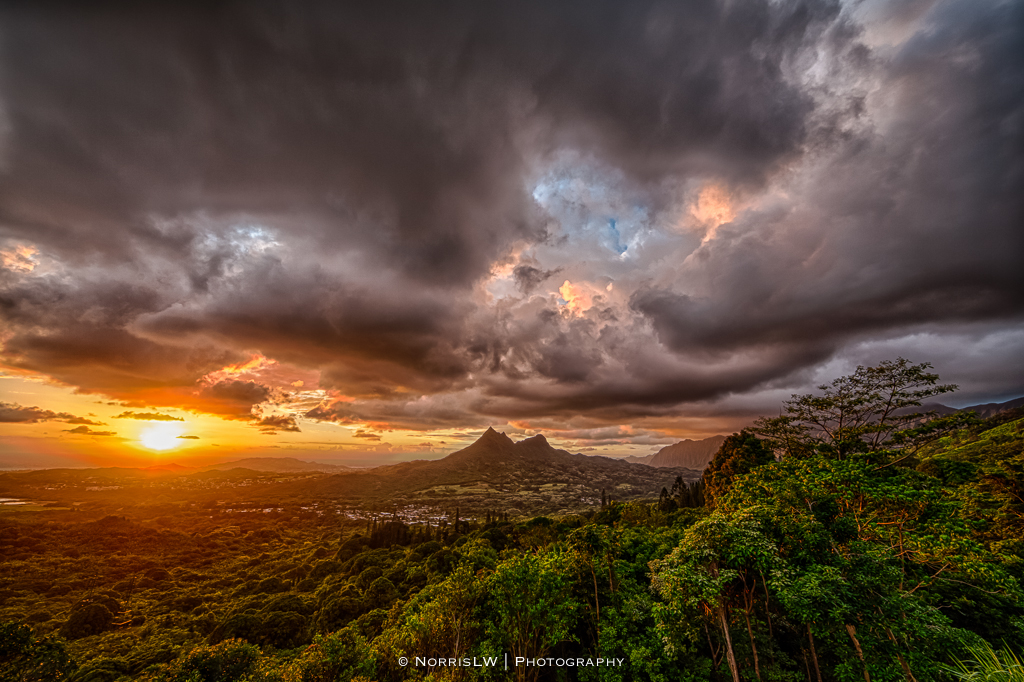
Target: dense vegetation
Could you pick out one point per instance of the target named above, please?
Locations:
(849, 539)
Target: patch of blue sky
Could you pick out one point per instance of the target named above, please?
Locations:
(617, 244)
(588, 208)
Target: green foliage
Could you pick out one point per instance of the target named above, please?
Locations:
(443, 620)
(528, 603)
(739, 454)
(336, 657)
(102, 670)
(337, 607)
(380, 593)
(24, 658)
(228, 661)
(889, 548)
(88, 619)
(988, 665)
(866, 411)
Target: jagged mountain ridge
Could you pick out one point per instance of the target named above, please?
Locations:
(689, 454)
(497, 471)
(697, 454)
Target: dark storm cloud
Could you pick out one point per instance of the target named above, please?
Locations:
(234, 398)
(918, 225)
(12, 413)
(310, 317)
(408, 118)
(529, 278)
(73, 326)
(334, 187)
(275, 423)
(400, 136)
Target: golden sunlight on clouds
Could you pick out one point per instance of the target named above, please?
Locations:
(712, 208)
(577, 297)
(161, 436)
(254, 364)
(19, 259)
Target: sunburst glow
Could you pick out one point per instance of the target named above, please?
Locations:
(161, 436)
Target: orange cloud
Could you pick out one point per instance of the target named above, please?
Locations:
(148, 416)
(713, 207)
(19, 259)
(577, 297)
(86, 431)
(12, 413)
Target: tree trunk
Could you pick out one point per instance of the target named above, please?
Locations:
(814, 654)
(728, 645)
(768, 616)
(903, 663)
(711, 647)
(807, 666)
(852, 631)
(753, 647)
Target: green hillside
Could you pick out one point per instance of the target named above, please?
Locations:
(850, 558)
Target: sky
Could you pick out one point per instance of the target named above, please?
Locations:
(365, 232)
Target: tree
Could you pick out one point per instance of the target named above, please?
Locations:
(332, 657)
(27, 659)
(714, 569)
(441, 621)
(867, 411)
(530, 609)
(869, 552)
(230, 661)
(738, 454)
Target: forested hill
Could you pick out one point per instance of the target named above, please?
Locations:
(278, 464)
(879, 547)
(846, 568)
(983, 410)
(495, 472)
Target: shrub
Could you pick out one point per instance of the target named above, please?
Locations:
(26, 659)
(91, 619)
(270, 586)
(324, 569)
(381, 593)
(337, 656)
(281, 629)
(338, 608)
(367, 577)
(228, 661)
(287, 602)
(102, 670)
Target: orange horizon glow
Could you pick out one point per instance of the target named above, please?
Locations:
(202, 438)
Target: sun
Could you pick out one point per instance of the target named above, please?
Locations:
(161, 436)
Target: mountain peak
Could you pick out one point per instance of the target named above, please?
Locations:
(494, 446)
(691, 454)
(536, 447)
(492, 437)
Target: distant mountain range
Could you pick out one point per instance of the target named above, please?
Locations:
(984, 410)
(497, 472)
(697, 454)
(275, 464)
(691, 454)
